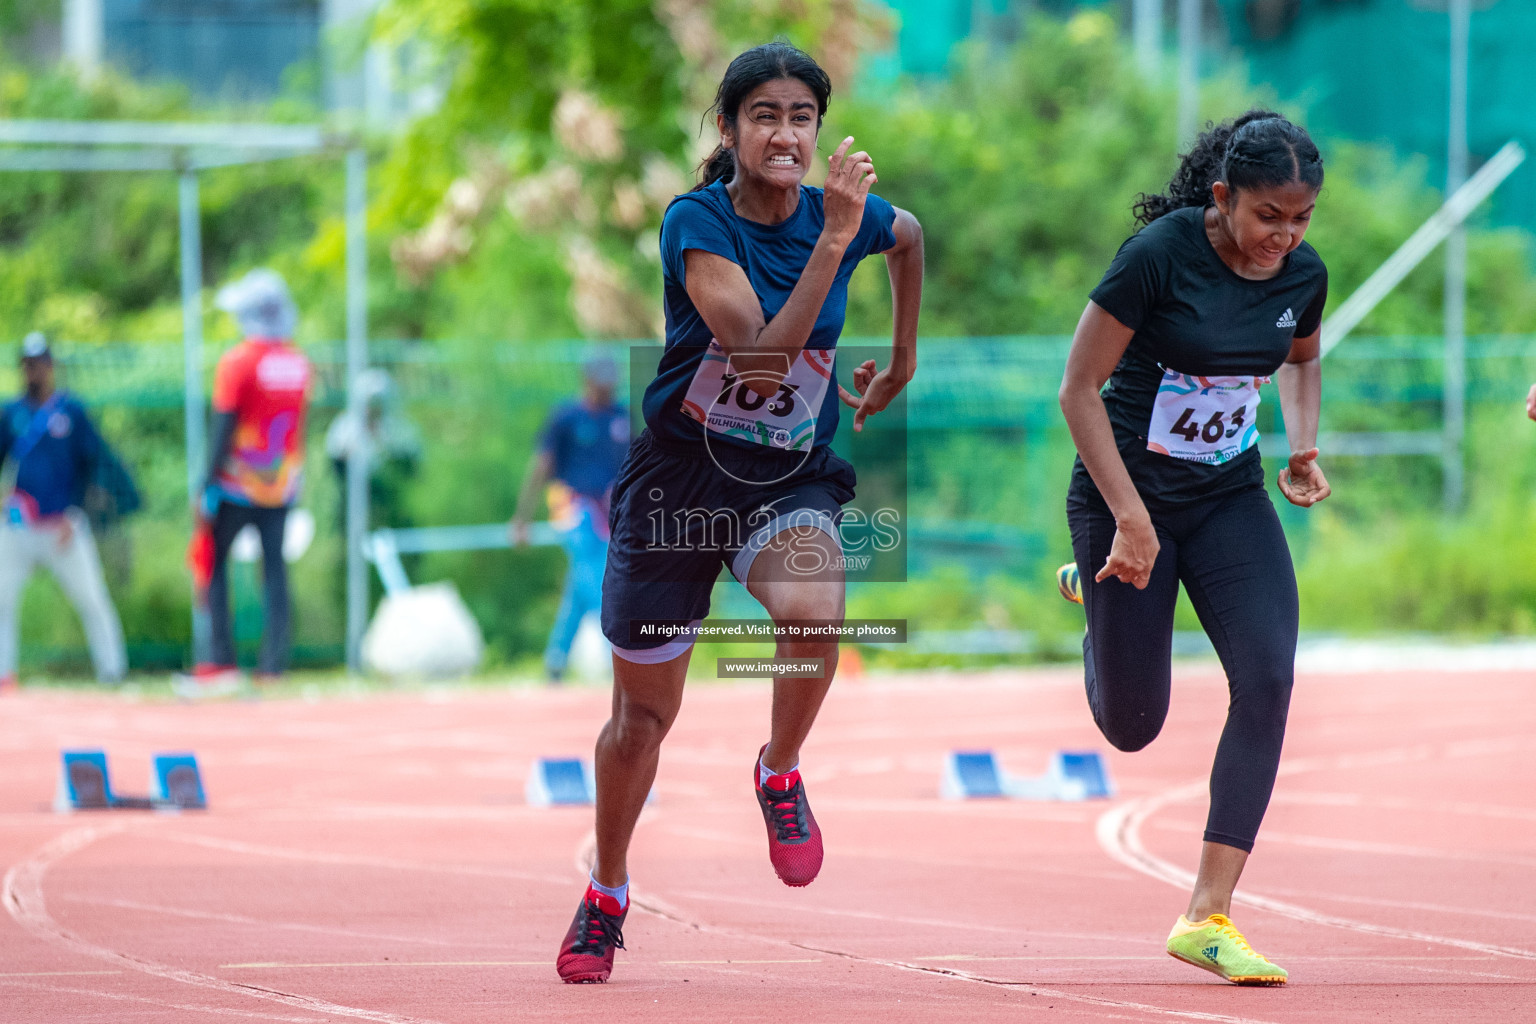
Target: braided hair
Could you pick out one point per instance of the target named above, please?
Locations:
(766, 63)
(1260, 149)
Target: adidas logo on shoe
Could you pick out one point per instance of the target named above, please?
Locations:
(1287, 319)
(1210, 953)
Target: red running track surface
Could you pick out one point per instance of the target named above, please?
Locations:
(372, 859)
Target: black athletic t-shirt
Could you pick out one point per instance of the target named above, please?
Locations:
(1205, 339)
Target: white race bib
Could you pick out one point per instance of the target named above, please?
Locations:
(720, 401)
(1204, 419)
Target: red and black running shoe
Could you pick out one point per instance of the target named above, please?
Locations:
(586, 957)
(794, 840)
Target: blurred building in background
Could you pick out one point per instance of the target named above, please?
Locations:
(229, 49)
(243, 51)
(1373, 70)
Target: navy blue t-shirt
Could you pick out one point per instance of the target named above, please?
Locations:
(693, 386)
(586, 446)
(53, 475)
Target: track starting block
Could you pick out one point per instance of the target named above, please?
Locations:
(565, 782)
(561, 782)
(1071, 775)
(175, 784)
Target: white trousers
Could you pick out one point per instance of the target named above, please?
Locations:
(77, 567)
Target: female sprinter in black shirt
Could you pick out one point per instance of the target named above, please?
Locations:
(1215, 294)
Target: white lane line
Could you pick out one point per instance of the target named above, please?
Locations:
(1361, 846)
(641, 900)
(660, 908)
(508, 814)
(1119, 834)
(1117, 1004)
(22, 893)
(1433, 908)
(280, 965)
(733, 962)
(922, 922)
(122, 997)
(206, 915)
(1399, 804)
(977, 958)
(356, 860)
(1159, 959)
(1021, 866)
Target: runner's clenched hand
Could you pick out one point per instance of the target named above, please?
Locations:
(849, 178)
(1132, 554)
(876, 390)
(1302, 481)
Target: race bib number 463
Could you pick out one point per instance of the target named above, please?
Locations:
(1204, 419)
(721, 401)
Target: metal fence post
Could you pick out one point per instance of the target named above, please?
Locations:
(357, 361)
(1146, 33)
(192, 344)
(1189, 72)
(1455, 409)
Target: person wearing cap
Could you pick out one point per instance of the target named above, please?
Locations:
(49, 453)
(255, 466)
(578, 457)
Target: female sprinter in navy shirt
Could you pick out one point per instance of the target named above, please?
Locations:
(734, 467)
(1214, 296)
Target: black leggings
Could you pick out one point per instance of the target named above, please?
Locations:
(228, 521)
(1232, 558)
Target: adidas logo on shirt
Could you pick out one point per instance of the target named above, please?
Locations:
(1287, 319)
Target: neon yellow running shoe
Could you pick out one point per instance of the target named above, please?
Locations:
(1068, 582)
(1220, 948)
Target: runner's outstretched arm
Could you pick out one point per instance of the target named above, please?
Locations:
(1300, 381)
(1097, 345)
(904, 263)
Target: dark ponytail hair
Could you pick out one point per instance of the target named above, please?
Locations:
(1260, 149)
(766, 63)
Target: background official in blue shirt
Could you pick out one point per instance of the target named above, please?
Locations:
(49, 454)
(580, 450)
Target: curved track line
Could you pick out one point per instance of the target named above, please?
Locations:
(317, 929)
(162, 1004)
(586, 852)
(22, 893)
(1119, 834)
(664, 910)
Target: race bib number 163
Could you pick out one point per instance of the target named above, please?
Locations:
(721, 401)
(1204, 419)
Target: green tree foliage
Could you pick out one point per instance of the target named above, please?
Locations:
(524, 209)
(1024, 164)
(576, 122)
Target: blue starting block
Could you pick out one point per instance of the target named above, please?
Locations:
(174, 779)
(84, 784)
(565, 782)
(971, 774)
(1071, 775)
(561, 782)
(175, 784)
